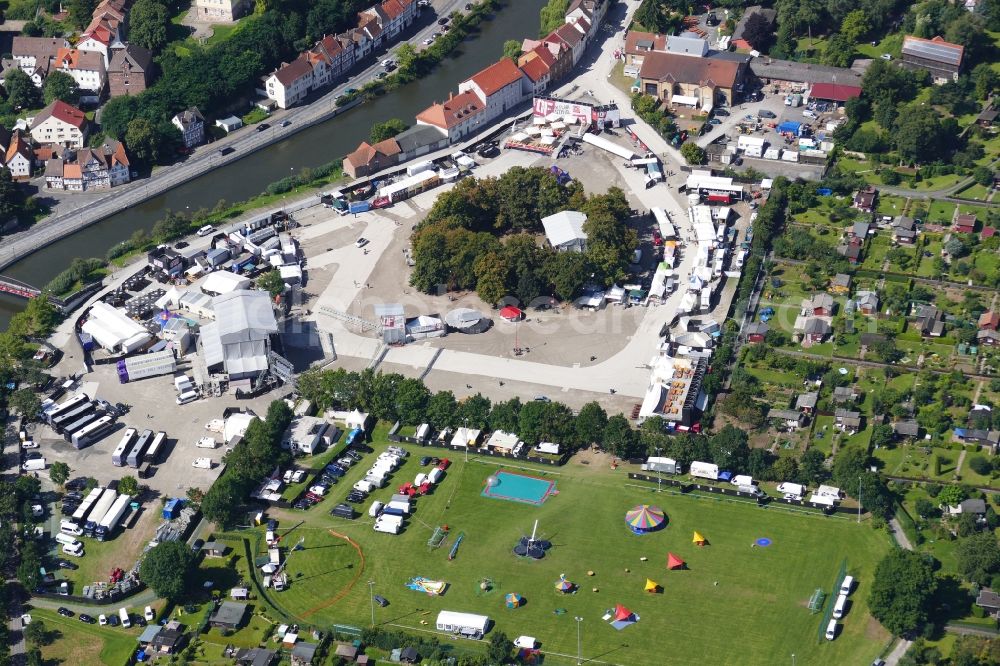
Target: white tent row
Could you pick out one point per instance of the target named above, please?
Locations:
(113, 330)
(609, 146)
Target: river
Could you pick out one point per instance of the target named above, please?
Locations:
(310, 148)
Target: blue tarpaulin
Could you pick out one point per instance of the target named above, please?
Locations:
(790, 126)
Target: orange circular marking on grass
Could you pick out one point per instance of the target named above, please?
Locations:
(343, 592)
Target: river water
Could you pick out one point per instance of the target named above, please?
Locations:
(317, 145)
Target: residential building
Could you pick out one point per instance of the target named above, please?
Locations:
(987, 117)
(192, 126)
(61, 124)
(768, 15)
(89, 169)
(368, 159)
(537, 67)
(929, 321)
(222, 11)
(989, 601)
(867, 302)
(806, 402)
(499, 86)
(255, 656)
(564, 231)
(942, 59)
(458, 117)
(562, 55)
(685, 80)
(976, 507)
(869, 340)
(638, 44)
(130, 70)
(989, 321)
(847, 420)
(18, 156)
(820, 305)
(420, 140)
(908, 429)
(587, 15)
(303, 653)
(87, 69)
(572, 38)
(988, 338)
(229, 615)
(859, 231)
(792, 419)
(688, 43)
(291, 82)
(844, 394)
(851, 252)
(35, 55)
(964, 223)
(756, 332)
(866, 199)
(813, 330)
(841, 283)
(98, 38)
(396, 16)
(904, 230)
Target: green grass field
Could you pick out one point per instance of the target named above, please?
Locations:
(80, 643)
(730, 590)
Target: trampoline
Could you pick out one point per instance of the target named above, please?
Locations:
(518, 488)
(533, 549)
(763, 542)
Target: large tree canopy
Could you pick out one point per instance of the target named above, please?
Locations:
(902, 590)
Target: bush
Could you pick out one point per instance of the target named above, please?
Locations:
(933, 489)
(980, 465)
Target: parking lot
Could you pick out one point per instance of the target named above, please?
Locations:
(152, 406)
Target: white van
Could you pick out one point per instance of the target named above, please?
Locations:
(126, 621)
(831, 630)
(75, 551)
(845, 587)
(374, 509)
(34, 465)
(838, 608)
(186, 397)
(68, 527)
(364, 486)
(66, 540)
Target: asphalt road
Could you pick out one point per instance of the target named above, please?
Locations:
(205, 158)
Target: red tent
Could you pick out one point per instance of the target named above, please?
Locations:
(510, 313)
(622, 613)
(674, 562)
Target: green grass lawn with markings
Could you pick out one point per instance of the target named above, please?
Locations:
(729, 588)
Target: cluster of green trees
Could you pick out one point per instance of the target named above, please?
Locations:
(483, 235)
(247, 464)
(166, 569)
(212, 77)
(498, 651)
(79, 273)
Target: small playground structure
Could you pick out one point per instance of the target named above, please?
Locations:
(454, 548)
(439, 537)
(531, 546)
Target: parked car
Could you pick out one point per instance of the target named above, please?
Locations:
(86, 618)
(714, 121)
(425, 461)
(102, 619)
(114, 621)
(720, 112)
(361, 242)
(428, 41)
(65, 612)
(29, 444)
(66, 564)
(443, 20)
(387, 63)
(286, 123)
(380, 600)
(148, 613)
(196, 545)
(262, 127)
(350, 91)
(765, 113)
(206, 230)
(886, 56)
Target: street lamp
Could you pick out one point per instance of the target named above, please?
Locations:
(579, 650)
(371, 592)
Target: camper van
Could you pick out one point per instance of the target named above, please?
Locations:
(70, 528)
(838, 608)
(374, 509)
(831, 630)
(75, 550)
(845, 587)
(65, 539)
(34, 465)
(126, 621)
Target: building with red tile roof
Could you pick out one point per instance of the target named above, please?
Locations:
(368, 159)
(59, 123)
(457, 117)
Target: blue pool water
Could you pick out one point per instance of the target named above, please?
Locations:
(519, 488)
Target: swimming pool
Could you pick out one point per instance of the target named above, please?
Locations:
(519, 488)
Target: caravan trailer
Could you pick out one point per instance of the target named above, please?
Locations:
(703, 470)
